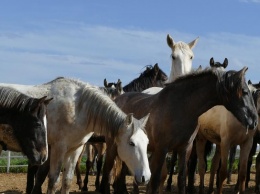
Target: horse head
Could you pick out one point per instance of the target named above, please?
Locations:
(33, 137)
(113, 89)
(218, 64)
(237, 95)
(154, 73)
(132, 147)
(182, 57)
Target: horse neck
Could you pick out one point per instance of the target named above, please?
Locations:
(199, 95)
(139, 85)
(104, 117)
(175, 73)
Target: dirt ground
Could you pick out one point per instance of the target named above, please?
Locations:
(16, 184)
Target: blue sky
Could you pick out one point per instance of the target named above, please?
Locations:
(93, 40)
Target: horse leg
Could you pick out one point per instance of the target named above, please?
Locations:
(108, 165)
(250, 161)
(77, 169)
(223, 169)
(89, 164)
(183, 157)
(119, 184)
(200, 148)
(173, 164)
(257, 174)
(69, 167)
(192, 163)
(157, 160)
(232, 154)
(31, 172)
(244, 153)
(163, 177)
(41, 175)
(101, 153)
(55, 167)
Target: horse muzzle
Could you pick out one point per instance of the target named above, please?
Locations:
(142, 180)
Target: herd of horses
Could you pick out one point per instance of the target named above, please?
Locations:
(185, 113)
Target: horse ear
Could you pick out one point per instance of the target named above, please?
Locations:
(119, 87)
(193, 43)
(47, 101)
(211, 62)
(36, 104)
(129, 119)
(156, 67)
(199, 68)
(105, 82)
(242, 72)
(170, 41)
(249, 82)
(225, 63)
(144, 120)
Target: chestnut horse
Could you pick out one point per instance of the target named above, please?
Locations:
(179, 106)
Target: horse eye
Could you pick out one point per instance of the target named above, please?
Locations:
(244, 92)
(191, 57)
(131, 143)
(173, 58)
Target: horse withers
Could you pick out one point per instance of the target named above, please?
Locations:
(175, 110)
(23, 125)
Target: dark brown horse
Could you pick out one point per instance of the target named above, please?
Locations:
(174, 113)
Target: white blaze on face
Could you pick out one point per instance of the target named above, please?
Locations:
(45, 124)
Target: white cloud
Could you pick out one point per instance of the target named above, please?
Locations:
(92, 53)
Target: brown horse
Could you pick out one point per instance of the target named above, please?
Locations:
(174, 113)
(219, 126)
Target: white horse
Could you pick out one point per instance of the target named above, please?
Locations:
(182, 56)
(76, 112)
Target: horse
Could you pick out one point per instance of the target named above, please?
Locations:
(96, 146)
(218, 125)
(193, 158)
(182, 56)
(151, 76)
(23, 125)
(256, 140)
(78, 110)
(178, 105)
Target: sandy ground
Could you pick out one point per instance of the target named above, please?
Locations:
(16, 184)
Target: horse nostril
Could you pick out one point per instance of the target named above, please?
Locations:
(255, 124)
(43, 159)
(143, 179)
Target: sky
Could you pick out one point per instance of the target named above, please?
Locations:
(92, 40)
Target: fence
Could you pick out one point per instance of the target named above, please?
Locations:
(8, 156)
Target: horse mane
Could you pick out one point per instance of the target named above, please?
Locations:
(12, 99)
(225, 80)
(100, 109)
